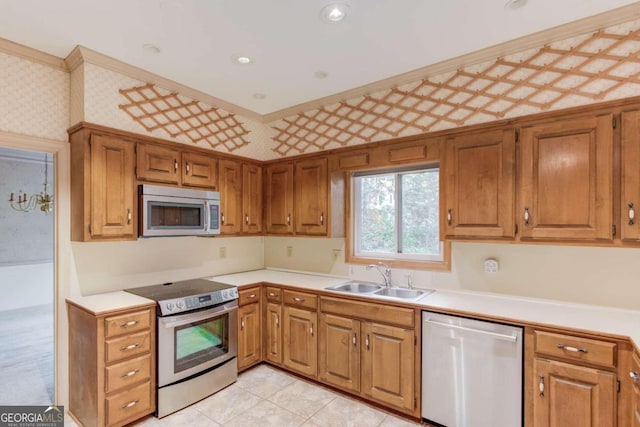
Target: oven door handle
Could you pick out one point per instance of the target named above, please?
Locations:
(190, 318)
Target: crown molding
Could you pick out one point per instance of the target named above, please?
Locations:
(31, 54)
(536, 40)
(81, 54)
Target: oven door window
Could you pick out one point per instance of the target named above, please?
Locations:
(200, 342)
(175, 215)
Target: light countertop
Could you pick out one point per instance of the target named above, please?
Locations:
(111, 301)
(599, 319)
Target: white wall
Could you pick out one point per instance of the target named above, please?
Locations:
(26, 285)
(592, 275)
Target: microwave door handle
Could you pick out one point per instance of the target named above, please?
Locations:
(207, 214)
(190, 318)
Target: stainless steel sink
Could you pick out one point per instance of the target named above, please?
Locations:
(401, 293)
(356, 287)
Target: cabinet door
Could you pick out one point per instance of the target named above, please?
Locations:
(252, 198)
(566, 180)
(274, 333)
(310, 196)
(300, 340)
(572, 396)
(249, 336)
(230, 196)
(112, 185)
(635, 385)
(339, 355)
(630, 168)
(480, 185)
(199, 170)
(158, 163)
(388, 365)
(279, 201)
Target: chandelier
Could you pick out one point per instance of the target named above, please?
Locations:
(43, 201)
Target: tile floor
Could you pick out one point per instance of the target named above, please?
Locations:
(266, 397)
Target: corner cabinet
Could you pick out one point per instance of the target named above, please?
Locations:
(252, 198)
(273, 326)
(279, 198)
(311, 196)
(630, 169)
(240, 197)
(250, 328)
(103, 196)
(566, 180)
(479, 175)
(111, 365)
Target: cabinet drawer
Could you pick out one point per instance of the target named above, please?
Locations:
(125, 373)
(127, 346)
(127, 323)
(301, 299)
(575, 348)
(370, 311)
(274, 294)
(248, 296)
(129, 404)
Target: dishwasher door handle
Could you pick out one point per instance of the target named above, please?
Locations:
(496, 335)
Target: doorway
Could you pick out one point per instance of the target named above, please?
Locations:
(26, 277)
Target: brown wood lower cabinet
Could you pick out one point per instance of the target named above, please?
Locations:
(249, 336)
(300, 340)
(635, 380)
(339, 356)
(573, 396)
(273, 333)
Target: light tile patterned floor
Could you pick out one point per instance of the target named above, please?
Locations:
(267, 397)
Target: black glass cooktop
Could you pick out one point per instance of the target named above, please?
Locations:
(181, 289)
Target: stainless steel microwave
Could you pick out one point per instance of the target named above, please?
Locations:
(173, 211)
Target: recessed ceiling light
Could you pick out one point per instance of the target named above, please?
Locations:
(242, 59)
(259, 95)
(151, 48)
(515, 4)
(320, 74)
(334, 12)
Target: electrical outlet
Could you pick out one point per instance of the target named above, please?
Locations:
(289, 251)
(491, 265)
(223, 252)
(336, 254)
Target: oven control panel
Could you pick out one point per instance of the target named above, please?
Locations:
(195, 302)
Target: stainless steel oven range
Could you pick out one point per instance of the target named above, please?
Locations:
(197, 340)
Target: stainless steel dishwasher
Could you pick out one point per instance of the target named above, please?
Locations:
(471, 372)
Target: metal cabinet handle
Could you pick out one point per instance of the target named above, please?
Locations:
(130, 347)
(175, 165)
(541, 386)
(129, 405)
(130, 373)
(130, 323)
(128, 216)
(572, 349)
(246, 218)
(298, 299)
(635, 376)
(354, 340)
(277, 320)
(632, 213)
(222, 218)
(449, 216)
(311, 329)
(366, 341)
(242, 323)
(526, 216)
(289, 219)
(321, 218)
(188, 167)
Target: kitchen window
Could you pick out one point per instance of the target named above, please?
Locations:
(395, 217)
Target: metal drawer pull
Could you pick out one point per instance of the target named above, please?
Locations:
(298, 299)
(572, 349)
(541, 386)
(130, 373)
(252, 296)
(272, 294)
(510, 338)
(130, 323)
(635, 376)
(129, 405)
(130, 347)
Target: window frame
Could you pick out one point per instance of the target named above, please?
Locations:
(399, 260)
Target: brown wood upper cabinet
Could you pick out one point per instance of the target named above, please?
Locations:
(479, 175)
(311, 196)
(566, 180)
(172, 166)
(630, 168)
(240, 197)
(279, 198)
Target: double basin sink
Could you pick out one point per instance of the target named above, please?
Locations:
(375, 290)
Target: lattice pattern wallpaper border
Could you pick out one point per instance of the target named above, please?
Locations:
(155, 108)
(591, 68)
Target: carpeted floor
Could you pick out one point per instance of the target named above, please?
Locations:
(26, 356)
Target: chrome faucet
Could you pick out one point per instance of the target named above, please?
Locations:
(386, 274)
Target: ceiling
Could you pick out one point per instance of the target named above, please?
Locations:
(287, 39)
